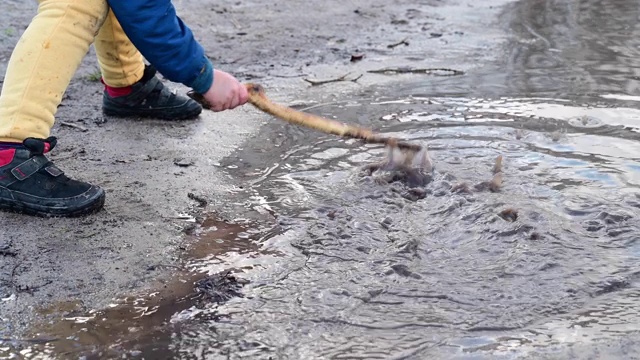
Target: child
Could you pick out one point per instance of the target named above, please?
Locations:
(43, 63)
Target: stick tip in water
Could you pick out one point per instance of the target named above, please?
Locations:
(415, 159)
(498, 165)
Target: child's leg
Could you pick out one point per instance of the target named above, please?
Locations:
(120, 62)
(131, 88)
(43, 63)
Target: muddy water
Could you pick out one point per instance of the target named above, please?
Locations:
(359, 268)
(379, 275)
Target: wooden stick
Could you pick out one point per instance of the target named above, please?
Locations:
(258, 98)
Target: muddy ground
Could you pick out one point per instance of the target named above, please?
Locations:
(133, 243)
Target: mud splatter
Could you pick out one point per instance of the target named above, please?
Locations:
(414, 169)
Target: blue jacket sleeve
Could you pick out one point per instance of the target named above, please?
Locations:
(165, 41)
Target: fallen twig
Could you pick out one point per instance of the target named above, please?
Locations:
(235, 22)
(410, 70)
(493, 328)
(356, 78)
(289, 76)
(402, 42)
(338, 79)
(75, 126)
(155, 266)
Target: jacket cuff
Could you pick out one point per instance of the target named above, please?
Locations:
(203, 82)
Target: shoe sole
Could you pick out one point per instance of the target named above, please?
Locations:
(41, 211)
(189, 114)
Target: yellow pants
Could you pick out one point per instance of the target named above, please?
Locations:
(47, 56)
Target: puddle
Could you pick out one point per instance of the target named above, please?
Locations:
(454, 274)
(142, 326)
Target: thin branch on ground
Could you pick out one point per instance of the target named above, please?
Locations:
(328, 81)
(75, 126)
(410, 70)
(401, 42)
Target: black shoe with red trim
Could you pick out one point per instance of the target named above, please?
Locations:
(149, 98)
(31, 184)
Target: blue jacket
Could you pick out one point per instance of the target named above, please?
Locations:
(165, 41)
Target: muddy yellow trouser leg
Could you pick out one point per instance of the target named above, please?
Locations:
(49, 53)
(43, 63)
(120, 62)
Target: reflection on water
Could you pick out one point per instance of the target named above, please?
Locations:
(560, 49)
(371, 273)
(574, 47)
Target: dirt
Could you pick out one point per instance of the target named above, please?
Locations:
(150, 168)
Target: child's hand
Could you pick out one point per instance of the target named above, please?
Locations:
(226, 92)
